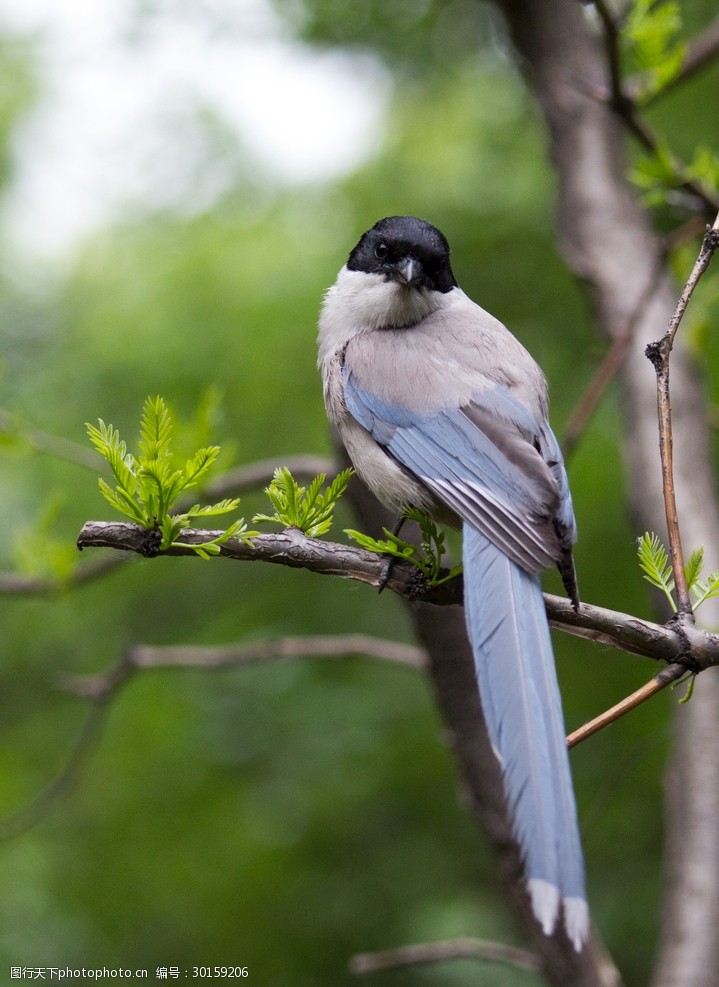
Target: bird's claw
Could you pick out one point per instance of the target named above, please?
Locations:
(388, 563)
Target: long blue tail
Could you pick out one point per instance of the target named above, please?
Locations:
(520, 698)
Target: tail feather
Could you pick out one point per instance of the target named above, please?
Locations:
(522, 707)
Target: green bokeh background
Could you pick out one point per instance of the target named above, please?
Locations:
(285, 817)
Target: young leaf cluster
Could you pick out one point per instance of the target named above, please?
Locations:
(311, 509)
(654, 54)
(147, 485)
(660, 172)
(652, 45)
(654, 562)
(427, 557)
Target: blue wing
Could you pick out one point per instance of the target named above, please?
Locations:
(489, 461)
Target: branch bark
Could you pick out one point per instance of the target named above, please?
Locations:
(693, 648)
(440, 952)
(606, 240)
(140, 657)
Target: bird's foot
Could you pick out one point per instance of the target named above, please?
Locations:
(388, 563)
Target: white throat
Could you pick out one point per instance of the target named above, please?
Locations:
(359, 302)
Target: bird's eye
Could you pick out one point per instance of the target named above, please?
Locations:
(381, 251)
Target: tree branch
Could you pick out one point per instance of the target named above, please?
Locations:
(64, 783)
(289, 547)
(440, 952)
(17, 584)
(54, 445)
(695, 649)
(672, 673)
(336, 647)
(235, 481)
(101, 690)
(659, 354)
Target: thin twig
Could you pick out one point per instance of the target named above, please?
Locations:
(611, 47)
(672, 673)
(586, 406)
(439, 952)
(53, 445)
(619, 100)
(17, 584)
(709, 245)
(101, 690)
(613, 359)
(64, 783)
(327, 646)
(659, 353)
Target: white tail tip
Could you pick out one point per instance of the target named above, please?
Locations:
(576, 921)
(545, 905)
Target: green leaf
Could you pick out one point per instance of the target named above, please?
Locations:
(107, 442)
(693, 568)
(392, 545)
(148, 486)
(704, 167)
(155, 429)
(651, 43)
(427, 558)
(310, 509)
(706, 589)
(654, 562)
(222, 507)
(657, 173)
(200, 464)
(122, 502)
(212, 547)
(690, 689)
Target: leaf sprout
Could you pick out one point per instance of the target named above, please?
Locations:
(310, 509)
(148, 485)
(427, 557)
(654, 562)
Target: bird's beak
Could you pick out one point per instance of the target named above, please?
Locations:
(408, 270)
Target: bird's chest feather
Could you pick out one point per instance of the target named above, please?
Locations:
(389, 482)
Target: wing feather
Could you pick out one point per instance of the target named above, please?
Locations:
(483, 460)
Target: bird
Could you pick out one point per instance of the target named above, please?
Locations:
(441, 408)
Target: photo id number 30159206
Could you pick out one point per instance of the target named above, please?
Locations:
(220, 972)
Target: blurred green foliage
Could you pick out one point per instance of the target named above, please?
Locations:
(285, 816)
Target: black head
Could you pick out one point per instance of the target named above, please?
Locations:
(407, 250)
